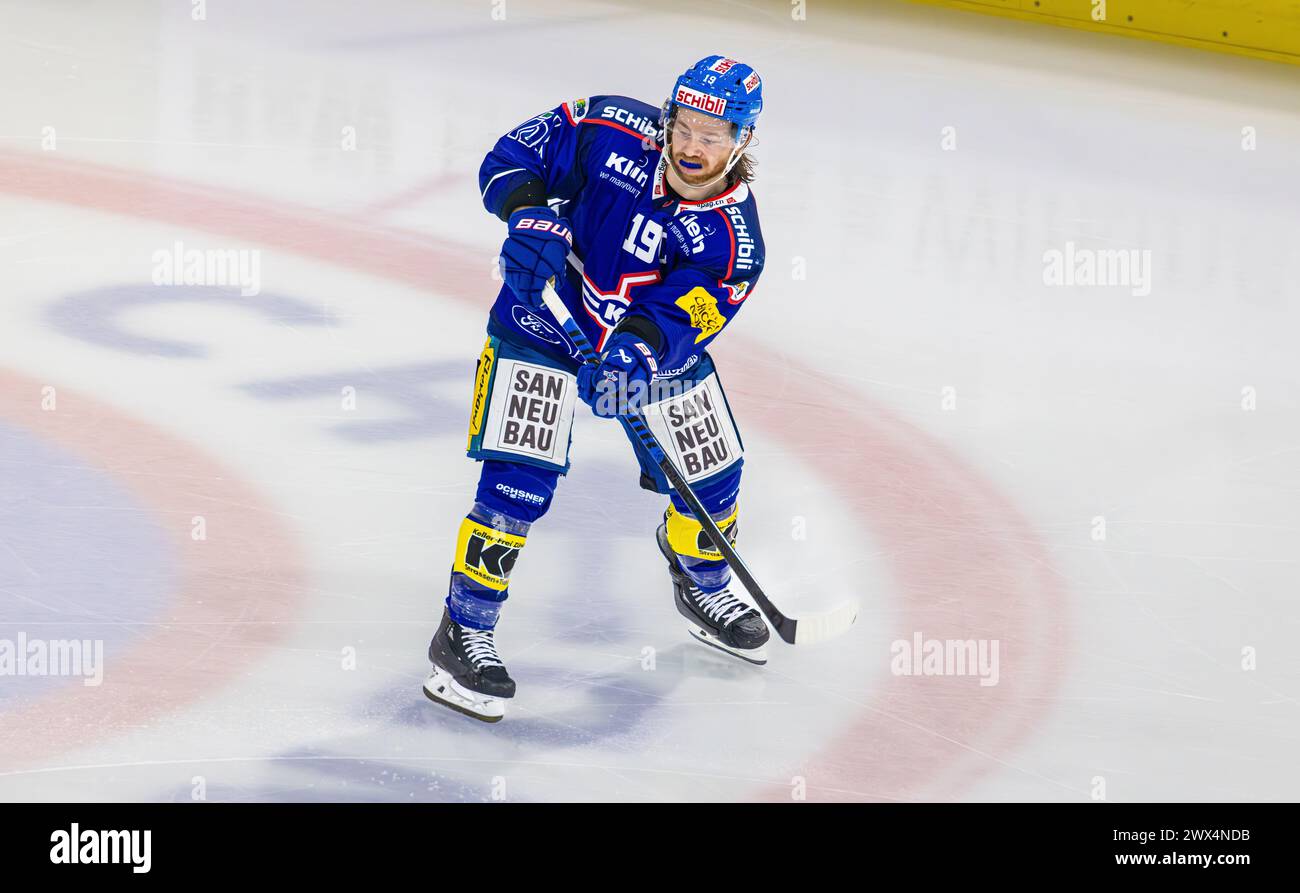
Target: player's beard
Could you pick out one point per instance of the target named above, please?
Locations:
(698, 176)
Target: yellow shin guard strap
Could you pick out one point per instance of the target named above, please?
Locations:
(686, 535)
(486, 555)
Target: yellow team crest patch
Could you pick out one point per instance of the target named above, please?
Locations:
(478, 403)
(702, 308)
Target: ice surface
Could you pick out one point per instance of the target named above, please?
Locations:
(250, 501)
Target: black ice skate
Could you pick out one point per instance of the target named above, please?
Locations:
(468, 674)
(717, 619)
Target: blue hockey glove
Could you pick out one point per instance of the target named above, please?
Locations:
(621, 382)
(535, 250)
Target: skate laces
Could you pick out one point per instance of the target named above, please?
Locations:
(722, 606)
(480, 647)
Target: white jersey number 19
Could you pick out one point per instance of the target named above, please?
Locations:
(649, 238)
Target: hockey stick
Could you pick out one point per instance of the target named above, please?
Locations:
(794, 630)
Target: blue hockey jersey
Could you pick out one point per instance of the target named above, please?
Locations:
(675, 272)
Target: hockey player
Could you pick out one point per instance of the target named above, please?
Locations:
(644, 219)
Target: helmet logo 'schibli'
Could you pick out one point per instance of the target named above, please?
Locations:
(714, 105)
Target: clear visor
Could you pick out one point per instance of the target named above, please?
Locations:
(688, 134)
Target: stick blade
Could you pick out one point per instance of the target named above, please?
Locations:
(812, 628)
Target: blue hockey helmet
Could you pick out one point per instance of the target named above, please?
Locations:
(721, 87)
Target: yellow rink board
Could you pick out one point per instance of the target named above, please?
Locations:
(1265, 29)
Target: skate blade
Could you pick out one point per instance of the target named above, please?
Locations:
(441, 688)
(756, 656)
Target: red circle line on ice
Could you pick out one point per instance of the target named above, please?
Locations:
(964, 563)
(238, 587)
